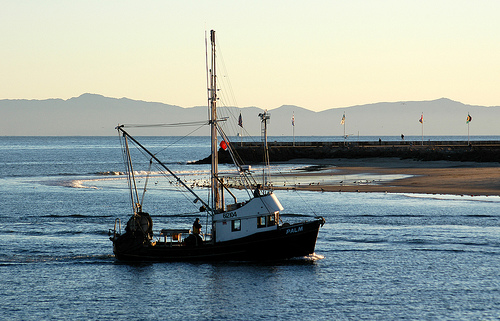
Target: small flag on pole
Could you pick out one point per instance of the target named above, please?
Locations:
(469, 118)
(240, 121)
(421, 120)
(293, 119)
(342, 122)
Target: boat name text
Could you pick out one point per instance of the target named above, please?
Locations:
(295, 230)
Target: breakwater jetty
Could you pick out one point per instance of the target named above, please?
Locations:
(476, 151)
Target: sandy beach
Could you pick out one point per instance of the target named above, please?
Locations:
(393, 175)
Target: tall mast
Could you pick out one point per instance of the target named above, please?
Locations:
(216, 199)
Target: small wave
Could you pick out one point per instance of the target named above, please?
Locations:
(366, 241)
(65, 216)
(108, 173)
(314, 257)
(358, 250)
(389, 215)
(440, 250)
(197, 214)
(75, 183)
(79, 184)
(69, 174)
(67, 232)
(296, 215)
(422, 242)
(76, 216)
(75, 259)
(476, 244)
(4, 231)
(451, 197)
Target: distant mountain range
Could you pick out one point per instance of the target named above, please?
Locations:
(96, 115)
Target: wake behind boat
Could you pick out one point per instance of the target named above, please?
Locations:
(250, 230)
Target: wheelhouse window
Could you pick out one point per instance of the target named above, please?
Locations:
(261, 221)
(236, 225)
(271, 220)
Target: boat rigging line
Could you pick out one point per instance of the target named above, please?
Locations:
(127, 135)
(146, 182)
(194, 123)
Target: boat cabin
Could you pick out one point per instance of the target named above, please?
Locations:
(257, 215)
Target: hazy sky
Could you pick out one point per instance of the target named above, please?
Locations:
(314, 54)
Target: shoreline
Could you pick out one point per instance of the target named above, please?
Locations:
(393, 175)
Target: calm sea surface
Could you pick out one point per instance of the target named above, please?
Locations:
(378, 257)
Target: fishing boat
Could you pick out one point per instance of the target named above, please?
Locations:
(251, 230)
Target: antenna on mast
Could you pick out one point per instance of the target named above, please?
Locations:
(264, 118)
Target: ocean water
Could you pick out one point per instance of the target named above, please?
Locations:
(378, 257)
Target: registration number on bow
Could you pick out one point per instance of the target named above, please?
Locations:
(229, 215)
